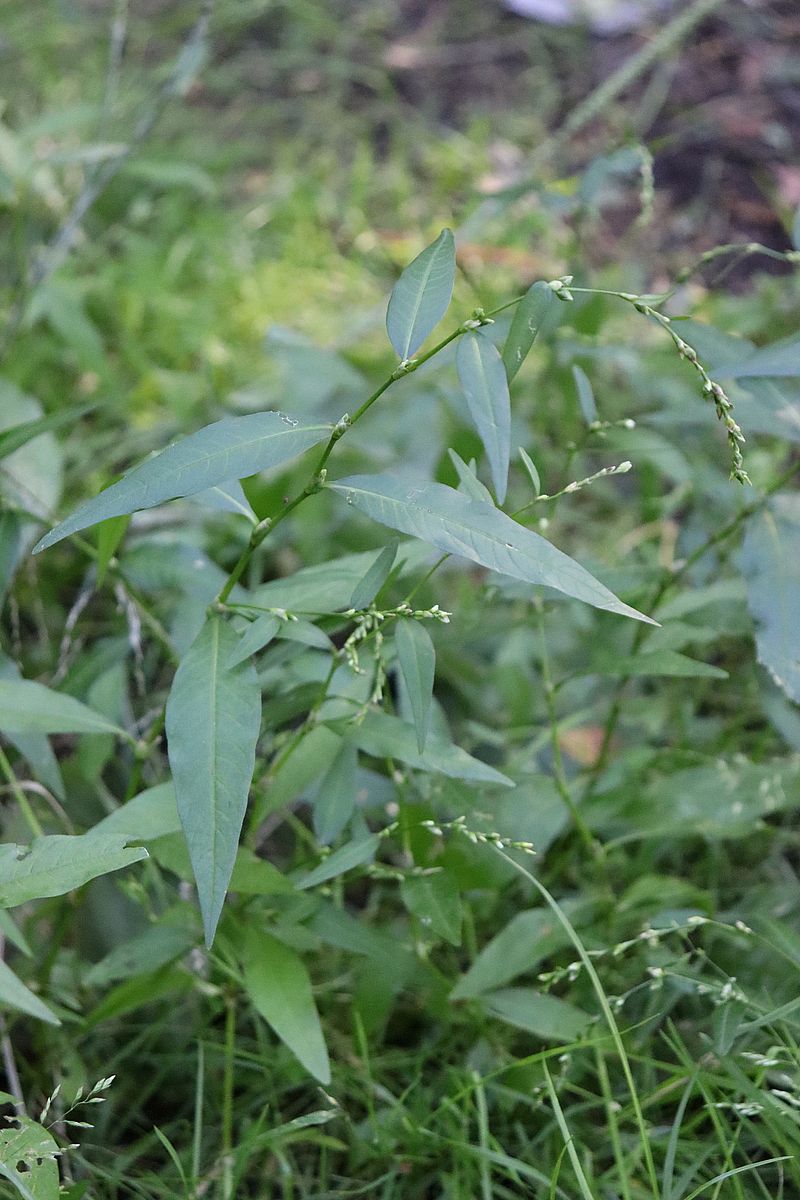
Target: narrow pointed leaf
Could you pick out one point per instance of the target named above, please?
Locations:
(336, 795)
(417, 659)
(29, 707)
(213, 721)
(530, 467)
(15, 994)
(436, 902)
(346, 858)
(375, 577)
(545, 1016)
(585, 395)
(421, 296)
(278, 985)
(53, 865)
(483, 379)
(468, 481)
(255, 638)
(528, 317)
(229, 449)
(34, 746)
(384, 736)
(452, 523)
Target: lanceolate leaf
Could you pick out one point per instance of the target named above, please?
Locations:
(19, 435)
(585, 395)
(436, 901)
(528, 317)
(213, 721)
(229, 449)
(34, 746)
(374, 578)
(277, 983)
(421, 296)
(15, 994)
(346, 858)
(28, 707)
(58, 863)
(417, 659)
(544, 1016)
(483, 379)
(468, 481)
(770, 562)
(255, 637)
(453, 523)
(384, 736)
(336, 795)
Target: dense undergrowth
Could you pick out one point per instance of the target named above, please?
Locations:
(527, 930)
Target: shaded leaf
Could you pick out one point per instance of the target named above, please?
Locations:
(657, 662)
(453, 523)
(336, 795)
(24, 1142)
(375, 577)
(213, 721)
(528, 938)
(354, 854)
(15, 994)
(585, 395)
(547, 1017)
(530, 467)
(527, 321)
(34, 746)
(55, 864)
(278, 985)
(421, 296)
(468, 481)
(28, 707)
(417, 659)
(770, 563)
(384, 736)
(483, 380)
(150, 815)
(140, 955)
(435, 901)
(229, 449)
(19, 435)
(257, 635)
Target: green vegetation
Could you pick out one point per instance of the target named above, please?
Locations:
(399, 738)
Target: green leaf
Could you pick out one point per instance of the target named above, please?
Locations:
(53, 865)
(213, 721)
(780, 360)
(435, 901)
(34, 746)
(545, 1016)
(26, 1142)
(336, 795)
(468, 481)
(354, 854)
(417, 659)
(109, 538)
(15, 994)
(421, 296)
(585, 395)
(529, 938)
(530, 467)
(257, 635)
(453, 523)
(384, 736)
(375, 577)
(657, 662)
(770, 563)
(140, 955)
(28, 707)
(528, 318)
(229, 449)
(483, 380)
(150, 815)
(278, 985)
(19, 435)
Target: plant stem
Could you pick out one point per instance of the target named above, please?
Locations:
(227, 1098)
